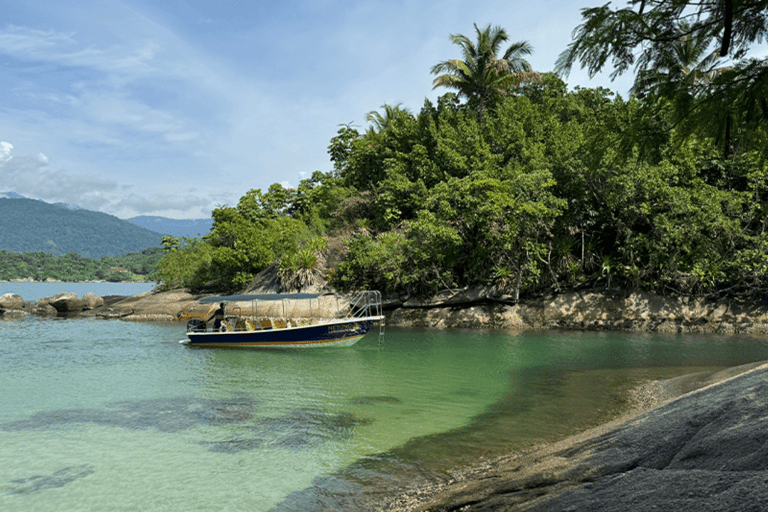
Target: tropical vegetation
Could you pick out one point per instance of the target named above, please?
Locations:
(529, 187)
(40, 266)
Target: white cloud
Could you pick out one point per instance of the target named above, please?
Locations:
(5, 151)
(32, 177)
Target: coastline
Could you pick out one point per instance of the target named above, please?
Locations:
(592, 310)
(583, 470)
(636, 461)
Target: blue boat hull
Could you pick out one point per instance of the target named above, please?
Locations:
(341, 333)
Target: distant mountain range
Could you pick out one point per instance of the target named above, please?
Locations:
(11, 195)
(30, 225)
(174, 227)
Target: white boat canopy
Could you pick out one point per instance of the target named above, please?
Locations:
(263, 296)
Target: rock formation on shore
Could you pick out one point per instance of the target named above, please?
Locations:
(591, 310)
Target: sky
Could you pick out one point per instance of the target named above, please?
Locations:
(174, 108)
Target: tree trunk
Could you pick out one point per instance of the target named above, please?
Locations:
(727, 27)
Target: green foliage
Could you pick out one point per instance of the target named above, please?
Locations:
(299, 269)
(317, 199)
(675, 47)
(483, 76)
(73, 267)
(184, 266)
(374, 263)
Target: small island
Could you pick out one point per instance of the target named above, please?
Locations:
(512, 202)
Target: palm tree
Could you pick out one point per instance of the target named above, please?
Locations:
(684, 65)
(683, 73)
(483, 77)
(381, 122)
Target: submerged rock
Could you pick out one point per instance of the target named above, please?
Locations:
(59, 478)
(163, 414)
(298, 430)
(370, 400)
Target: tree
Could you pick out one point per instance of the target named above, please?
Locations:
(648, 39)
(381, 122)
(482, 76)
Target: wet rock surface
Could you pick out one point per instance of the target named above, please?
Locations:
(595, 310)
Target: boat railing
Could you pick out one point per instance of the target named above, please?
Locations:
(364, 304)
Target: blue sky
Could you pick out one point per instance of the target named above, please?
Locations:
(171, 108)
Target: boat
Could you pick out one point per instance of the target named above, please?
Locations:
(283, 320)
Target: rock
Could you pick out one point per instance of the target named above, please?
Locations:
(589, 310)
(154, 306)
(92, 301)
(43, 308)
(11, 301)
(67, 303)
(460, 297)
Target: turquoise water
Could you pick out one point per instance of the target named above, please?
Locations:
(108, 415)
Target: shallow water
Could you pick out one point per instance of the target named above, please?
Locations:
(111, 415)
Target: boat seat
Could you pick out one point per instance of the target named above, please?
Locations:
(266, 323)
(279, 324)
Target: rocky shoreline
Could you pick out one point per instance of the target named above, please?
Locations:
(696, 443)
(589, 310)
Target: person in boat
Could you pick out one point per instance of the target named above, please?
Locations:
(217, 317)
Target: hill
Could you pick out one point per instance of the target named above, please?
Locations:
(174, 227)
(29, 225)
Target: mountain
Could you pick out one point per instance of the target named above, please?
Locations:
(174, 227)
(11, 195)
(29, 225)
